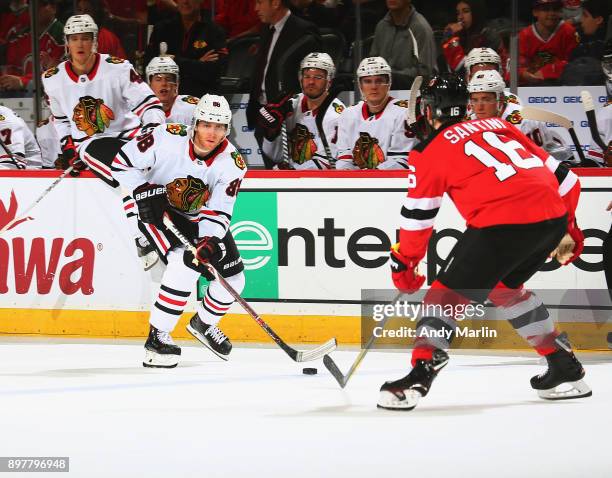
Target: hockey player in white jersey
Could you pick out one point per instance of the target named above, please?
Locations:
(49, 142)
(163, 77)
(603, 116)
(510, 106)
(373, 134)
(311, 118)
(18, 147)
(99, 103)
(193, 174)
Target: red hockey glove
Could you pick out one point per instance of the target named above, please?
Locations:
(404, 272)
(70, 155)
(208, 249)
(271, 117)
(152, 203)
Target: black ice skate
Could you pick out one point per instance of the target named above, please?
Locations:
(404, 394)
(563, 379)
(146, 253)
(211, 336)
(160, 350)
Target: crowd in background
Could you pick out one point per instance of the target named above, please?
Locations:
(214, 40)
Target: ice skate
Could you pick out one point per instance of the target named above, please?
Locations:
(404, 394)
(210, 336)
(563, 379)
(160, 350)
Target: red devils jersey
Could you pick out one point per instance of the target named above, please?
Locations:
(493, 173)
(548, 56)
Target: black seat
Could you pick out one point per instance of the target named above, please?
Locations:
(240, 65)
(333, 44)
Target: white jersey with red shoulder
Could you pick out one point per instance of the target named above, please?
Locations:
(182, 109)
(50, 147)
(111, 100)
(604, 127)
(374, 141)
(166, 156)
(306, 148)
(20, 142)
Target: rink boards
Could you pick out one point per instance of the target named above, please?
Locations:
(310, 242)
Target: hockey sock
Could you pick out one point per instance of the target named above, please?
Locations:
(217, 300)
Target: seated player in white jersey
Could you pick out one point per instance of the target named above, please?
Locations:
(18, 147)
(99, 103)
(603, 116)
(49, 142)
(163, 77)
(311, 119)
(193, 174)
(487, 59)
(373, 134)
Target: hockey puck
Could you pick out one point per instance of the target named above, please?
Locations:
(309, 371)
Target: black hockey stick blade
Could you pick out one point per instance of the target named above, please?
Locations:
(331, 366)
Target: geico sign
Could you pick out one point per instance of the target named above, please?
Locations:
(542, 99)
(572, 99)
(371, 239)
(72, 264)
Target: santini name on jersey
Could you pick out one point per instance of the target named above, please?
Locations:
(456, 133)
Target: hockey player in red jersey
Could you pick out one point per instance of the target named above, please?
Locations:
(545, 46)
(487, 167)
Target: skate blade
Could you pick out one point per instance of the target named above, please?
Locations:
(390, 401)
(155, 360)
(566, 391)
(204, 342)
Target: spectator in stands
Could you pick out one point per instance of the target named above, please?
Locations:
(275, 77)
(593, 24)
(315, 12)
(237, 17)
(405, 39)
(108, 42)
(18, 65)
(197, 45)
(546, 45)
(17, 19)
(372, 11)
(469, 32)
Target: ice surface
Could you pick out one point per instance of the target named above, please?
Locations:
(259, 416)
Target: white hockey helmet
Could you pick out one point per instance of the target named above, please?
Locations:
(81, 24)
(373, 65)
(215, 109)
(162, 65)
(488, 81)
(320, 61)
(477, 56)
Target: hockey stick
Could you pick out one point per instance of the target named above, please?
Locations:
(296, 355)
(416, 86)
(537, 114)
(319, 124)
(332, 367)
(18, 164)
(44, 193)
(589, 109)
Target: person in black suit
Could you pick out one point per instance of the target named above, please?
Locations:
(285, 40)
(197, 45)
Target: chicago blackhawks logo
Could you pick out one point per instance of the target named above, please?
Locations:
(199, 44)
(515, 117)
(187, 194)
(512, 99)
(92, 116)
(402, 103)
(302, 144)
(367, 154)
(176, 128)
(192, 100)
(115, 60)
(50, 72)
(338, 108)
(2, 118)
(238, 159)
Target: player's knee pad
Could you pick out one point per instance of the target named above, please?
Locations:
(237, 282)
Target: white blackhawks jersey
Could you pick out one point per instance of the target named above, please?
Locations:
(604, 126)
(19, 140)
(306, 149)
(166, 156)
(111, 100)
(537, 131)
(182, 109)
(374, 141)
(49, 142)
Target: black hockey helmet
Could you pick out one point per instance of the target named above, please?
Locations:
(447, 96)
